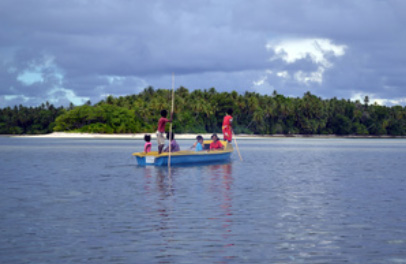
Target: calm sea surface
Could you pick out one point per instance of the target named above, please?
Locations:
(290, 201)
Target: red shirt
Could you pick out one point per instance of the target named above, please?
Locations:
(227, 132)
(161, 124)
(216, 145)
(227, 121)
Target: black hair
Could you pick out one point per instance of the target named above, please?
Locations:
(199, 138)
(164, 113)
(230, 111)
(147, 138)
(214, 135)
(172, 135)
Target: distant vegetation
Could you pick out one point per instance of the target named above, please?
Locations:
(203, 111)
(29, 120)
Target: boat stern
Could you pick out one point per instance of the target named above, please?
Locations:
(145, 159)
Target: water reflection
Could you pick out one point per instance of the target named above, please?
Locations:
(222, 182)
(178, 226)
(161, 177)
(158, 190)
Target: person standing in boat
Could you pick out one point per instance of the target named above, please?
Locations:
(160, 134)
(227, 128)
(174, 145)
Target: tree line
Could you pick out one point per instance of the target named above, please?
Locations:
(202, 111)
(29, 120)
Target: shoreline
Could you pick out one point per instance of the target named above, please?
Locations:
(187, 136)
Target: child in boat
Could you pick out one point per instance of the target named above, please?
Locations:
(160, 134)
(227, 128)
(174, 145)
(148, 144)
(216, 144)
(198, 146)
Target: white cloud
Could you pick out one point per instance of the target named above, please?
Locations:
(317, 50)
(58, 95)
(120, 85)
(40, 70)
(30, 77)
(375, 99)
(262, 85)
(296, 49)
(14, 97)
(283, 74)
(391, 102)
(261, 81)
(304, 77)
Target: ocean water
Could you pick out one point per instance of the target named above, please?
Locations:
(290, 200)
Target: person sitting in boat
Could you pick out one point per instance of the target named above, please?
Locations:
(198, 146)
(174, 145)
(216, 144)
(148, 144)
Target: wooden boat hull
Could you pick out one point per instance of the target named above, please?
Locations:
(184, 157)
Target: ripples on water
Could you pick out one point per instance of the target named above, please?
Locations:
(289, 201)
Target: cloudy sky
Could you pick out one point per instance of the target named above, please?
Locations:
(79, 50)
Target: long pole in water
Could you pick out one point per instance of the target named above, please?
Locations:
(170, 126)
(236, 146)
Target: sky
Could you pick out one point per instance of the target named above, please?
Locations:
(80, 50)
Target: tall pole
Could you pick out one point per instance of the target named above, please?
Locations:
(236, 145)
(170, 126)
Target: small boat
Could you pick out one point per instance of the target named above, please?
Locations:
(186, 156)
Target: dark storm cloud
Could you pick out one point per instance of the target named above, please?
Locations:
(80, 50)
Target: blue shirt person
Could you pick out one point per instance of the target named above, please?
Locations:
(199, 143)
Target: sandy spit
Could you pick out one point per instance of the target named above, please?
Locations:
(185, 136)
(107, 136)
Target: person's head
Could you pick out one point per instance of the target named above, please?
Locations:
(230, 111)
(147, 138)
(199, 139)
(214, 137)
(164, 113)
(170, 136)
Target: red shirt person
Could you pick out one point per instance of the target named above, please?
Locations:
(160, 134)
(227, 128)
(216, 144)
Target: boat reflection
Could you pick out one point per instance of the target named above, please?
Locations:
(222, 182)
(210, 227)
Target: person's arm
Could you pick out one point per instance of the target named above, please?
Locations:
(221, 146)
(194, 145)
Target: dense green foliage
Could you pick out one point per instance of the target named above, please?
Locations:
(203, 111)
(29, 120)
(102, 118)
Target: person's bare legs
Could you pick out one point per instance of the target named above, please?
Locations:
(160, 148)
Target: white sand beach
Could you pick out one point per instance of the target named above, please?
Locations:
(141, 136)
(111, 136)
(188, 136)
